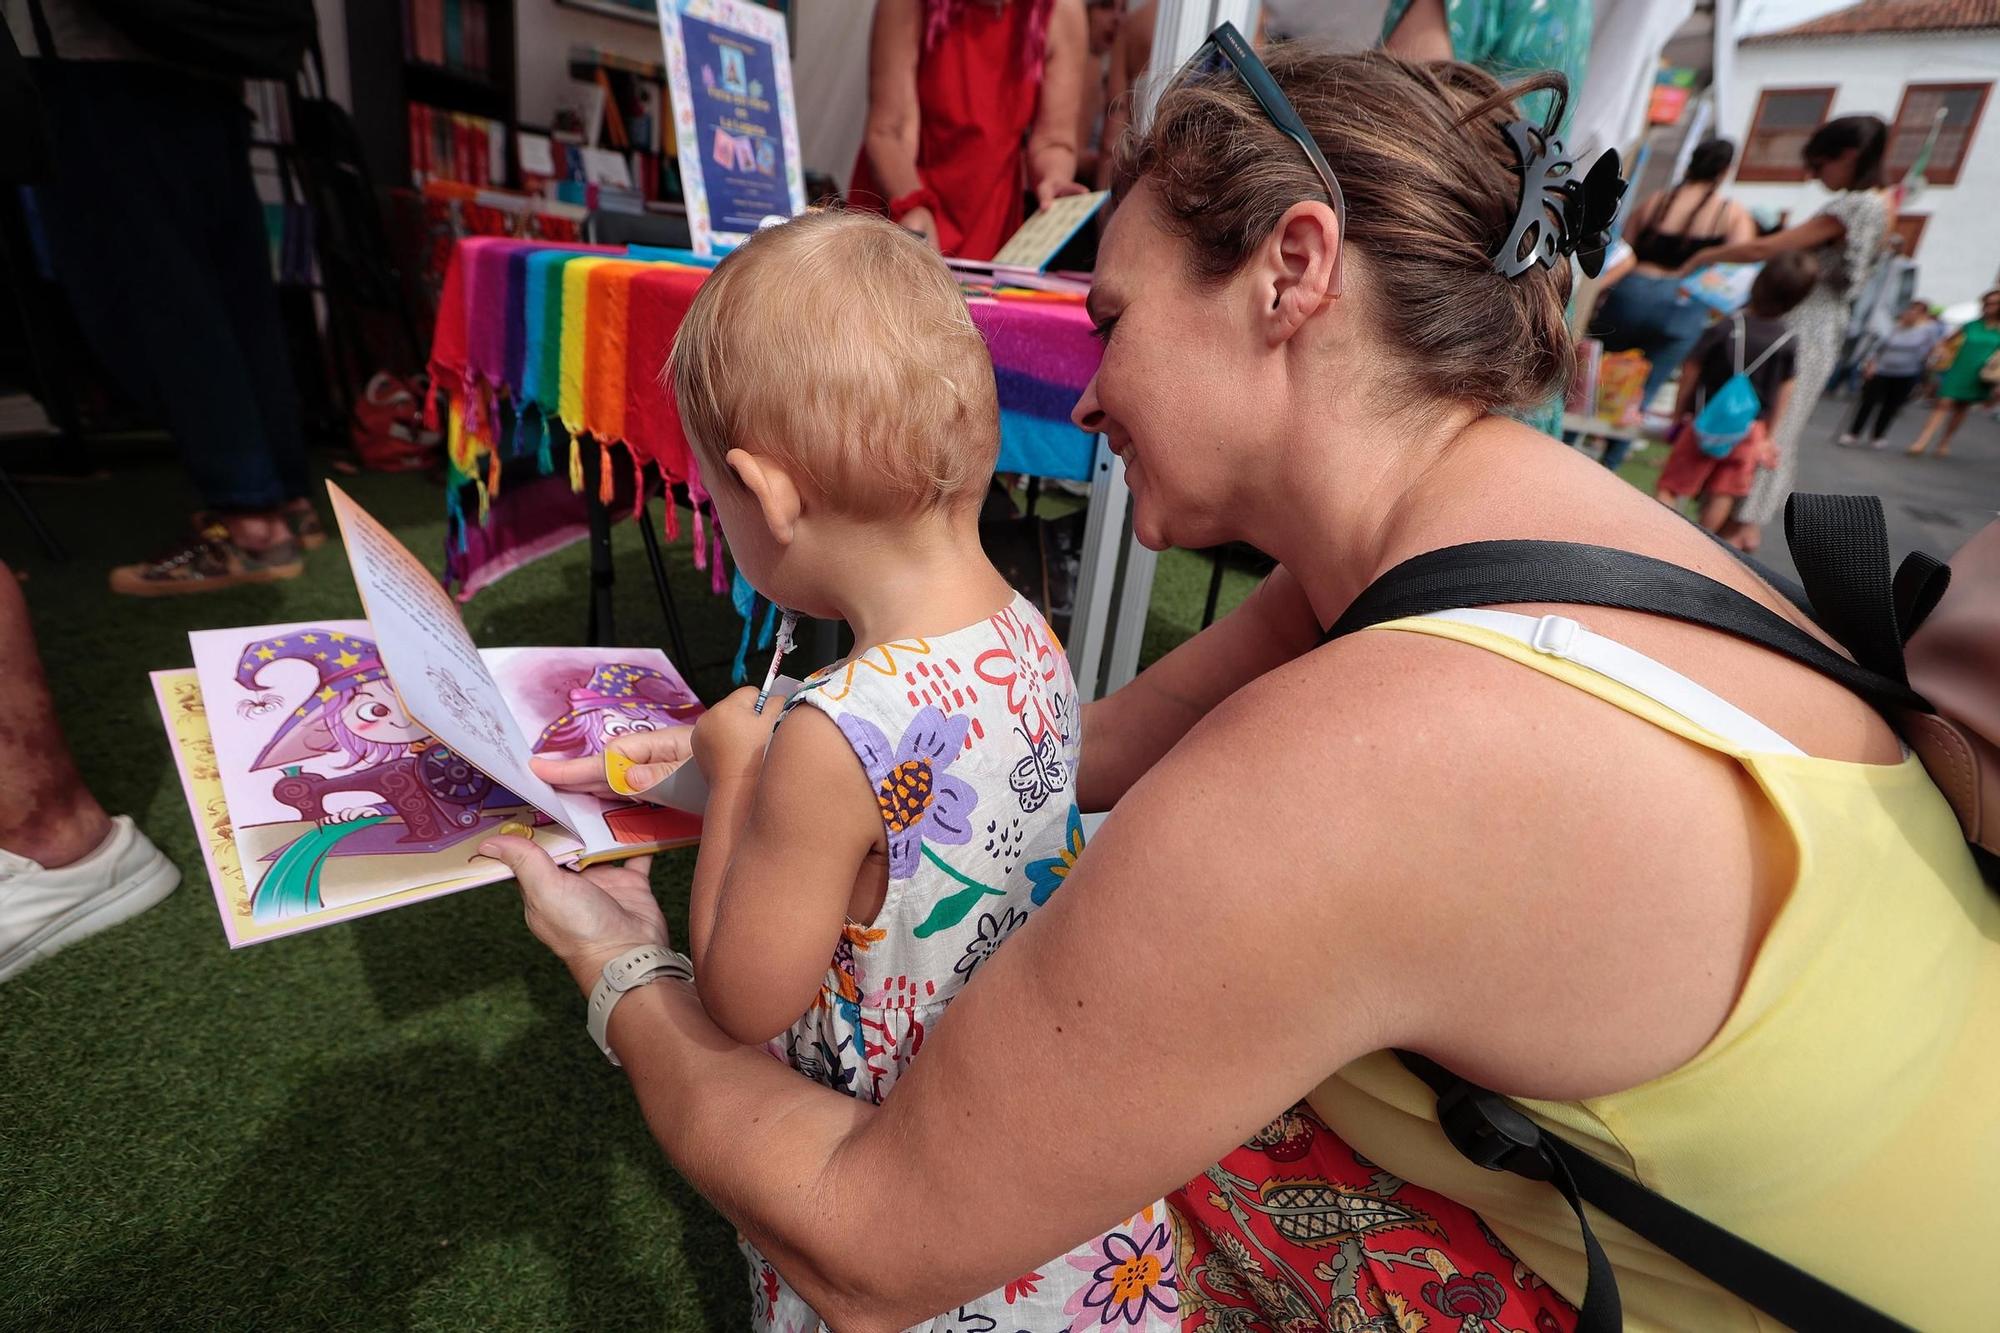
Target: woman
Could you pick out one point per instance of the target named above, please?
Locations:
(1770, 988)
(1891, 373)
(1971, 378)
(968, 101)
(1844, 155)
(1645, 311)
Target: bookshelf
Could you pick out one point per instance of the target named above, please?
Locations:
(455, 57)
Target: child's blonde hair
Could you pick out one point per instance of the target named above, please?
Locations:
(839, 345)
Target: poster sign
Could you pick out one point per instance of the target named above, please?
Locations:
(729, 71)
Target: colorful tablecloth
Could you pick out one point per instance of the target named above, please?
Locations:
(544, 351)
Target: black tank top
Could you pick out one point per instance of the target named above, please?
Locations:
(1668, 250)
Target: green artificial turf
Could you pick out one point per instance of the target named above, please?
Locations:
(396, 1123)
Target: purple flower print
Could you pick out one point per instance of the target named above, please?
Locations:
(1132, 1281)
(918, 799)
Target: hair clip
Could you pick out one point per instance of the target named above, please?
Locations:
(1558, 214)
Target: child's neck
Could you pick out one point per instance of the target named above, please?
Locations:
(917, 579)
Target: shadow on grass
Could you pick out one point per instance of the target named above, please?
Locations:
(534, 1153)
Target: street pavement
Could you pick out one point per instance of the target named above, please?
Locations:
(1932, 504)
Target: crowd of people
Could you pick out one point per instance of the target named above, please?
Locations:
(1321, 345)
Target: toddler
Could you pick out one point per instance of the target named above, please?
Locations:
(917, 801)
(1757, 343)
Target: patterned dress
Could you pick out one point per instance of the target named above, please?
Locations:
(1819, 323)
(969, 741)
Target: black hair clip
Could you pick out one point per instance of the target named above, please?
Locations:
(1559, 213)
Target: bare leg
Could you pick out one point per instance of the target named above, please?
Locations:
(1959, 412)
(46, 813)
(1931, 424)
(1743, 536)
(1715, 510)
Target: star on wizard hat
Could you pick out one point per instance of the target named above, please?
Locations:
(636, 691)
(344, 662)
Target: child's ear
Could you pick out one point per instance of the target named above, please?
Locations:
(777, 496)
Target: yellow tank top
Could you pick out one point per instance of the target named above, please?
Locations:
(1847, 1115)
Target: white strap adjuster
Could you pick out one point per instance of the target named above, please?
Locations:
(1555, 636)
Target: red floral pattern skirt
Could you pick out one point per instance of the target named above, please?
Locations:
(1296, 1231)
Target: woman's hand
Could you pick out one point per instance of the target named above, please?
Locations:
(1697, 261)
(1047, 191)
(921, 221)
(586, 919)
(654, 755)
(730, 738)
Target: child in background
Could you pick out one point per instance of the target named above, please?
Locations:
(1892, 373)
(1757, 343)
(917, 802)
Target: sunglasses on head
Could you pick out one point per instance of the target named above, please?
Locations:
(1226, 49)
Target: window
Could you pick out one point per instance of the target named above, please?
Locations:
(1910, 226)
(1785, 119)
(1960, 104)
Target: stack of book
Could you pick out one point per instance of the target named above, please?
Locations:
(455, 146)
(450, 33)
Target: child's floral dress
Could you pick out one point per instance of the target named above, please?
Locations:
(970, 744)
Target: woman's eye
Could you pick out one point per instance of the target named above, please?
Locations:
(1101, 329)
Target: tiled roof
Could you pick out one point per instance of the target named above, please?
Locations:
(1873, 16)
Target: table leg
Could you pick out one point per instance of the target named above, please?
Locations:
(660, 585)
(598, 632)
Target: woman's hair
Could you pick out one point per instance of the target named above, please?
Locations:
(1432, 190)
(1867, 133)
(1709, 160)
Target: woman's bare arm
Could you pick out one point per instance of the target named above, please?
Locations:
(1052, 143)
(894, 114)
(1423, 32)
(1127, 732)
(1817, 230)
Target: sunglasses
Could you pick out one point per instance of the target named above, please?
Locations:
(1225, 47)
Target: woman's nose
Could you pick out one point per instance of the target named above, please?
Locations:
(1087, 415)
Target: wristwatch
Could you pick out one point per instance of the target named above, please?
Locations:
(629, 971)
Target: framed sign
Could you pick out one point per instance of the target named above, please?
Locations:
(729, 71)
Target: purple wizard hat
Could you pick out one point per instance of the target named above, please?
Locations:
(638, 691)
(344, 661)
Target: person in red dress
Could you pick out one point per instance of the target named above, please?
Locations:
(970, 104)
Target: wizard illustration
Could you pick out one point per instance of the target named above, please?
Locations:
(619, 698)
(425, 796)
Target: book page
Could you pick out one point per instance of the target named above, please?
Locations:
(573, 703)
(432, 661)
(1045, 233)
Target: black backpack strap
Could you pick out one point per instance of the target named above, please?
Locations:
(1490, 1131)
(1840, 544)
(1505, 572)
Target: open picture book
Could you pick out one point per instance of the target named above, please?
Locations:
(337, 768)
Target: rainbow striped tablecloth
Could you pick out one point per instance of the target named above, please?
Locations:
(543, 352)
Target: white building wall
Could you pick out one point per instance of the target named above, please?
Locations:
(1959, 254)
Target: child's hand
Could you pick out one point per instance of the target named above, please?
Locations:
(729, 739)
(654, 755)
(1764, 453)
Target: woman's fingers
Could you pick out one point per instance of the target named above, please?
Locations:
(584, 775)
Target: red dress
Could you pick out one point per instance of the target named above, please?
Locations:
(978, 85)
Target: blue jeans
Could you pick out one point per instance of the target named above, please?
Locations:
(156, 236)
(1648, 315)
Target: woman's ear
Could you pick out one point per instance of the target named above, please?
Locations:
(1299, 263)
(776, 494)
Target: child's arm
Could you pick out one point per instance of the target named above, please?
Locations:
(1690, 384)
(782, 842)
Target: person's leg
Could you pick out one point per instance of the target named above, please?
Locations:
(141, 277)
(1959, 412)
(46, 813)
(1870, 401)
(1715, 511)
(1939, 412)
(1896, 390)
(240, 258)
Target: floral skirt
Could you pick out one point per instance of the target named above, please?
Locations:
(1296, 1231)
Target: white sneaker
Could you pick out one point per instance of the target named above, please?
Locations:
(43, 910)
(1848, 440)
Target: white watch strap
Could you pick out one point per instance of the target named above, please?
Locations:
(628, 971)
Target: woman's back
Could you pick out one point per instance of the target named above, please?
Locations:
(1675, 225)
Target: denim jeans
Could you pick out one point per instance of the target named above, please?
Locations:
(1649, 315)
(157, 237)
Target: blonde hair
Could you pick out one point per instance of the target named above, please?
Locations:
(839, 346)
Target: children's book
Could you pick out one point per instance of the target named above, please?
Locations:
(337, 768)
